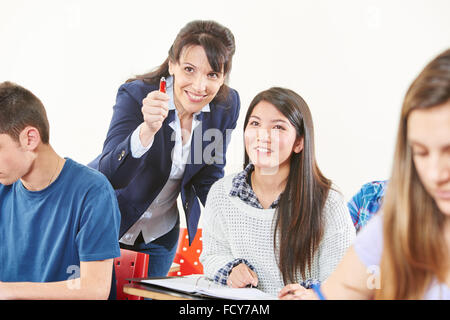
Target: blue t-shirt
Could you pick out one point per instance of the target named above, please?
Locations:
(45, 234)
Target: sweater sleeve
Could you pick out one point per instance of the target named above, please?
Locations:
(339, 235)
(216, 252)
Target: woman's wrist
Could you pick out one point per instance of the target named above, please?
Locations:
(145, 135)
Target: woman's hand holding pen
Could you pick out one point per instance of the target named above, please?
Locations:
(296, 292)
(155, 108)
(241, 276)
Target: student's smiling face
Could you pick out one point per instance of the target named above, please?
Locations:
(429, 139)
(195, 82)
(269, 137)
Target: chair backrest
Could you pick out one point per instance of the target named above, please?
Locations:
(188, 256)
(130, 264)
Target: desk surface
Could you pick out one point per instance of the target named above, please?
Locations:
(151, 292)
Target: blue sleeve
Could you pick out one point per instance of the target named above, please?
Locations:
(116, 161)
(354, 207)
(366, 203)
(98, 233)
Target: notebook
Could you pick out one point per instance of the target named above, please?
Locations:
(200, 285)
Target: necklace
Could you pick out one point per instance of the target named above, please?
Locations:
(54, 173)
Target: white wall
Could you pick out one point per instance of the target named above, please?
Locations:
(351, 60)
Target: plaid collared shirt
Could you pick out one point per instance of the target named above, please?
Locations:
(366, 203)
(242, 189)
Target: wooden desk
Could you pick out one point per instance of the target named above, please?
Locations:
(142, 290)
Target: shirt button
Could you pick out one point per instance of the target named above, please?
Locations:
(121, 155)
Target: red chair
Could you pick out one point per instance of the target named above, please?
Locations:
(130, 264)
(188, 256)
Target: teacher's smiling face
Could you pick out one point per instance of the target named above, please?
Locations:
(195, 82)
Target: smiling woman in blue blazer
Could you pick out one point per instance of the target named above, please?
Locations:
(162, 144)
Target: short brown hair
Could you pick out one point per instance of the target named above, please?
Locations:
(20, 108)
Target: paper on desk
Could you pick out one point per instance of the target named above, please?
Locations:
(237, 293)
(194, 284)
(185, 284)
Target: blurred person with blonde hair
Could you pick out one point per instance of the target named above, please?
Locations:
(404, 251)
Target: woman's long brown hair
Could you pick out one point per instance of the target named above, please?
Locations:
(299, 221)
(414, 250)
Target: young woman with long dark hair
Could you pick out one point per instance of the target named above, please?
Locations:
(279, 221)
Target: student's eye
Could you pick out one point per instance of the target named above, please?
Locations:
(419, 153)
(254, 123)
(279, 127)
(189, 69)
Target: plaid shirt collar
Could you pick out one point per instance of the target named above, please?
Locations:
(242, 189)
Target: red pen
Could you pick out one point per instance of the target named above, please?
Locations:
(162, 85)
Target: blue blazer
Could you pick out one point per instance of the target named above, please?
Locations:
(139, 181)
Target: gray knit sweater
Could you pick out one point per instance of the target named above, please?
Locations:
(233, 230)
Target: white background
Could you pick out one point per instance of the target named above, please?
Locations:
(352, 61)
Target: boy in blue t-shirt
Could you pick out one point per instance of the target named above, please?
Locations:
(59, 220)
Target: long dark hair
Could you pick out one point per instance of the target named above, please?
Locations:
(215, 39)
(299, 220)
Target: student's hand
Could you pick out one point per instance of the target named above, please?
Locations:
(155, 108)
(242, 276)
(296, 292)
